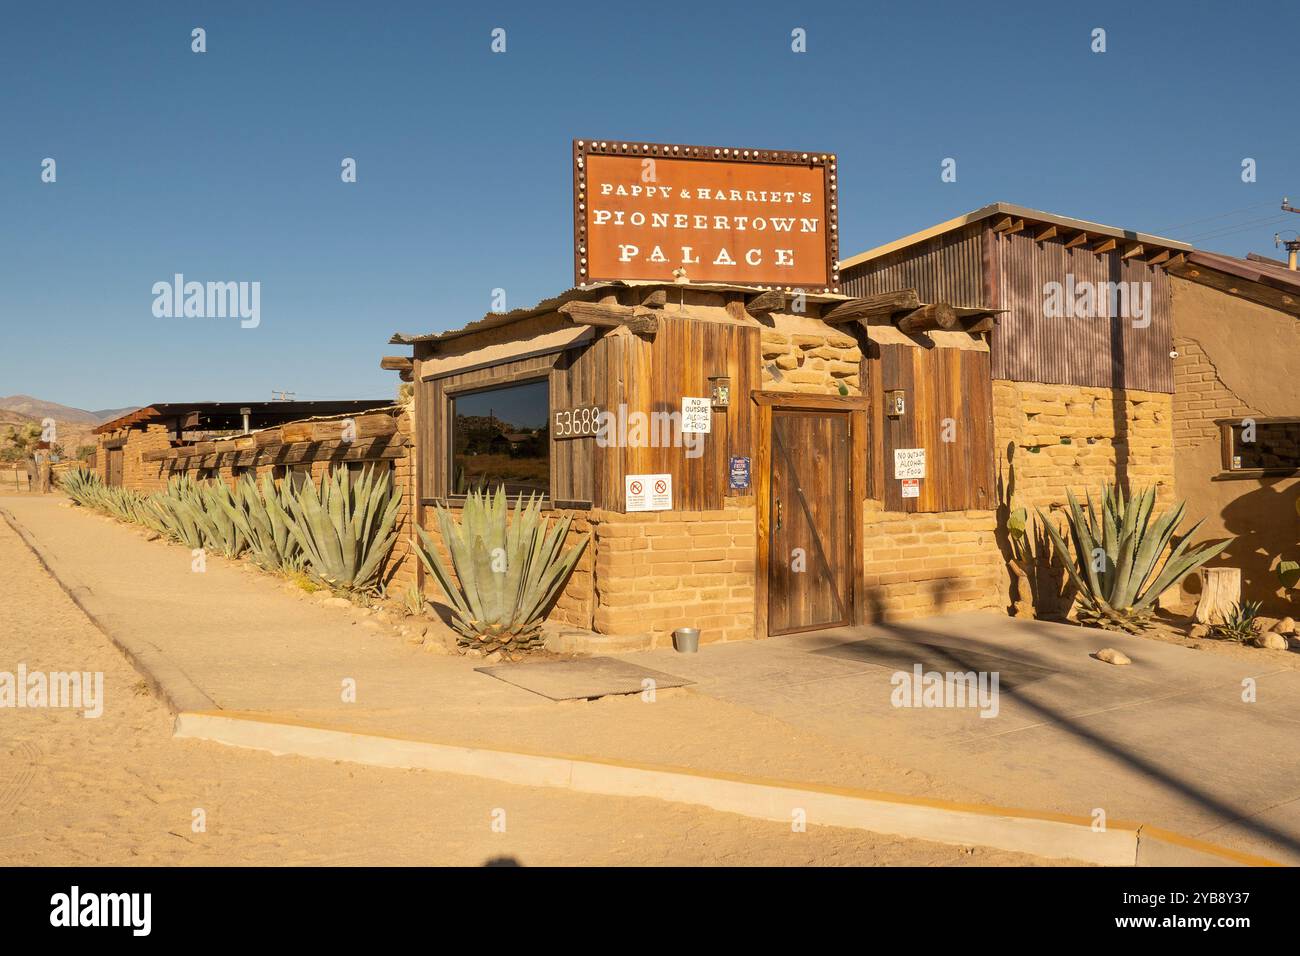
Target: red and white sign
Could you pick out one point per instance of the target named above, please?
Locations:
(911, 487)
(649, 492)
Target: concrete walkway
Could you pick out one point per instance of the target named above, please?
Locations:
(1167, 740)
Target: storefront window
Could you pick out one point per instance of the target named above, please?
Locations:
(500, 436)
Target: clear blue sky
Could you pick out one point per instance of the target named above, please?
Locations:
(225, 165)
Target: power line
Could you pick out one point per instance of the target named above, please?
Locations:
(1221, 215)
(1229, 230)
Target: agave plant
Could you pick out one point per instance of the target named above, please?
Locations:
(508, 568)
(124, 504)
(1116, 563)
(178, 511)
(1239, 624)
(214, 514)
(345, 529)
(262, 518)
(81, 485)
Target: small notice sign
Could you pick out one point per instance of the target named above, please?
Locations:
(909, 463)
(739, 473)
(649, 492)
(697, 416)
(911, 487)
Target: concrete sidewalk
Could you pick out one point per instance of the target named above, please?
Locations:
(1166, 740)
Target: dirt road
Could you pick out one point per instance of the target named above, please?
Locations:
(120, 790)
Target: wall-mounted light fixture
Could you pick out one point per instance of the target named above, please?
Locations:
(720, 390)
(895, 405)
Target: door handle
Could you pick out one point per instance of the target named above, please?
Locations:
(778, 514)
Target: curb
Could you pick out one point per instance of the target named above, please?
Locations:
(164, 679)
(1049, 835)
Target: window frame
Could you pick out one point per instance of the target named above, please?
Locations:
(1227, 445)
(512, 380)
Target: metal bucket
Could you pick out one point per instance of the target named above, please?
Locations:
(686, 640)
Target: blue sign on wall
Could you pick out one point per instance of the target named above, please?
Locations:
(739, 473)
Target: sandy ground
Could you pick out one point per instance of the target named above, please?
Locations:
(119, 790)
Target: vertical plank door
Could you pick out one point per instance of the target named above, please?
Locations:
(115, 467)
(810, 564)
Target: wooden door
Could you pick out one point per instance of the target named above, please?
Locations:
(115, 467)
(810, 556)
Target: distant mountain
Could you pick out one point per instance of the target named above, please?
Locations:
(106, 414)
(39, 409)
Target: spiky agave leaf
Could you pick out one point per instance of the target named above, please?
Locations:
(344, 529)
(1134, 543)
(492, 604)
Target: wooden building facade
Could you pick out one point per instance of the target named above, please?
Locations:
(760, 419)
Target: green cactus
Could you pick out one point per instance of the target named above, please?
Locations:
(213, 515)
(178, 511)
(81, 485)
(262, 517)
(344, 529)
(508, 568)
(1128, 544)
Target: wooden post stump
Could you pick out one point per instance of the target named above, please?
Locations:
(1220, 590)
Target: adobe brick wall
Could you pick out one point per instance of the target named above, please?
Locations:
(1078, 437)
(402, 572)
(656, 572)
(1084, 438)
(810, 357)
(939, 563)
(137, 475)
(1236, 359)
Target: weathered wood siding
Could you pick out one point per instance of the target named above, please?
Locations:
(656, 374)
(643, 374)
(942, 386)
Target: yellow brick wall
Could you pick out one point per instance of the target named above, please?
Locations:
(1056, 437)
(655, 572)
(1085, 438)
(923, 564)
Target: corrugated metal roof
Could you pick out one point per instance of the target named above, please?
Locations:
(1265, 273)
(1019, 212)
(586, 293)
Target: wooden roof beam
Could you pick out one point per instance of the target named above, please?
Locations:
(878, 305)
(611, 316)
(765, 303)
(1158, 258)
(1105, 245)
(937, 315)
(1048, 233)
(1079, 239)
(1134, 249)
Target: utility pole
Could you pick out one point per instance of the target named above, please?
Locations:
(1292, 245)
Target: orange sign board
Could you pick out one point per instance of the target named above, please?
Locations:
(743, 217)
